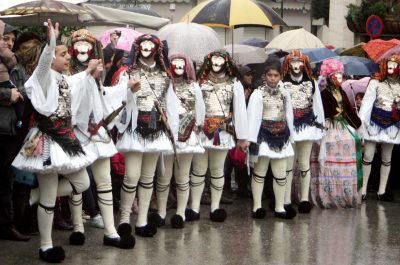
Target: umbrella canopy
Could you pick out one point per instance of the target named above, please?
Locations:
(353, 87)
(393, 51)
(125, 41)
(318, 54)
(192, 39)
(357, 66)
(137, 9)
(256, 42)
(34, 13)
(376, 48)
(245, 54)
(7, 4)
(356, 50)
(233, 14)
(295, 39)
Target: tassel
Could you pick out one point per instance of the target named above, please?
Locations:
(46, 152)
(217, 140)
(153, 119)
(395, 114)
(123, 117)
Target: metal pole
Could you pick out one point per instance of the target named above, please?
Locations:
(233, 28)
(281, 27)
(311, 16)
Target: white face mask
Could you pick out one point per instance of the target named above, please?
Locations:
(146, 48)
(337, 79)
(297, 67)
(179, 66)
(83, 47)
(217, 63)
(391, 67)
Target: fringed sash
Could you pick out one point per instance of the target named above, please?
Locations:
(149, 125)
(384, 119)
(214, 125)
(275, 133)
(60, 130)
(303, 118)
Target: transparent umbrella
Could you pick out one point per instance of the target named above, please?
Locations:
(192, 39)
(245, 54)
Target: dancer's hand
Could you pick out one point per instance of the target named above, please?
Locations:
(242, 144)
(98, 70)
(49, 28)
(92, 66)
(134, 84)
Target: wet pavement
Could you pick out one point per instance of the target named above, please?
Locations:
(367, 235)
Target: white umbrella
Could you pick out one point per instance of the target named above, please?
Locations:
(246, 54)
(192, 39)
(295, 39)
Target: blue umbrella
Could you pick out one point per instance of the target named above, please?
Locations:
(256, 42)
(360, 66)
(318, 54)
(354, 65)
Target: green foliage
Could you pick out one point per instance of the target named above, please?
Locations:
(42, 31)
(360, 14)
(320, 9)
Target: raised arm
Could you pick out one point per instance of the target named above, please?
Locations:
(42, 71)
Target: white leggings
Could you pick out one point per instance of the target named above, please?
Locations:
(49, 188)
(215, 159)
(386, 154)
(278, 167)
(302, 153)
(181, 175)
(139, 169)
(101, 173)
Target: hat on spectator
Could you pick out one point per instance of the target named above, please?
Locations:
(245, 70)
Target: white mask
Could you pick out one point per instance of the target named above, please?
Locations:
(179, 66)
(297, 66)
(83, 47)
(337, 79)
(217, 63)
(391, 67)
(147, 48)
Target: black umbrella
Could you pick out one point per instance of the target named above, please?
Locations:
(256, 42)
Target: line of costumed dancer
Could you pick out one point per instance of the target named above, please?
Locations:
(170, 124)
